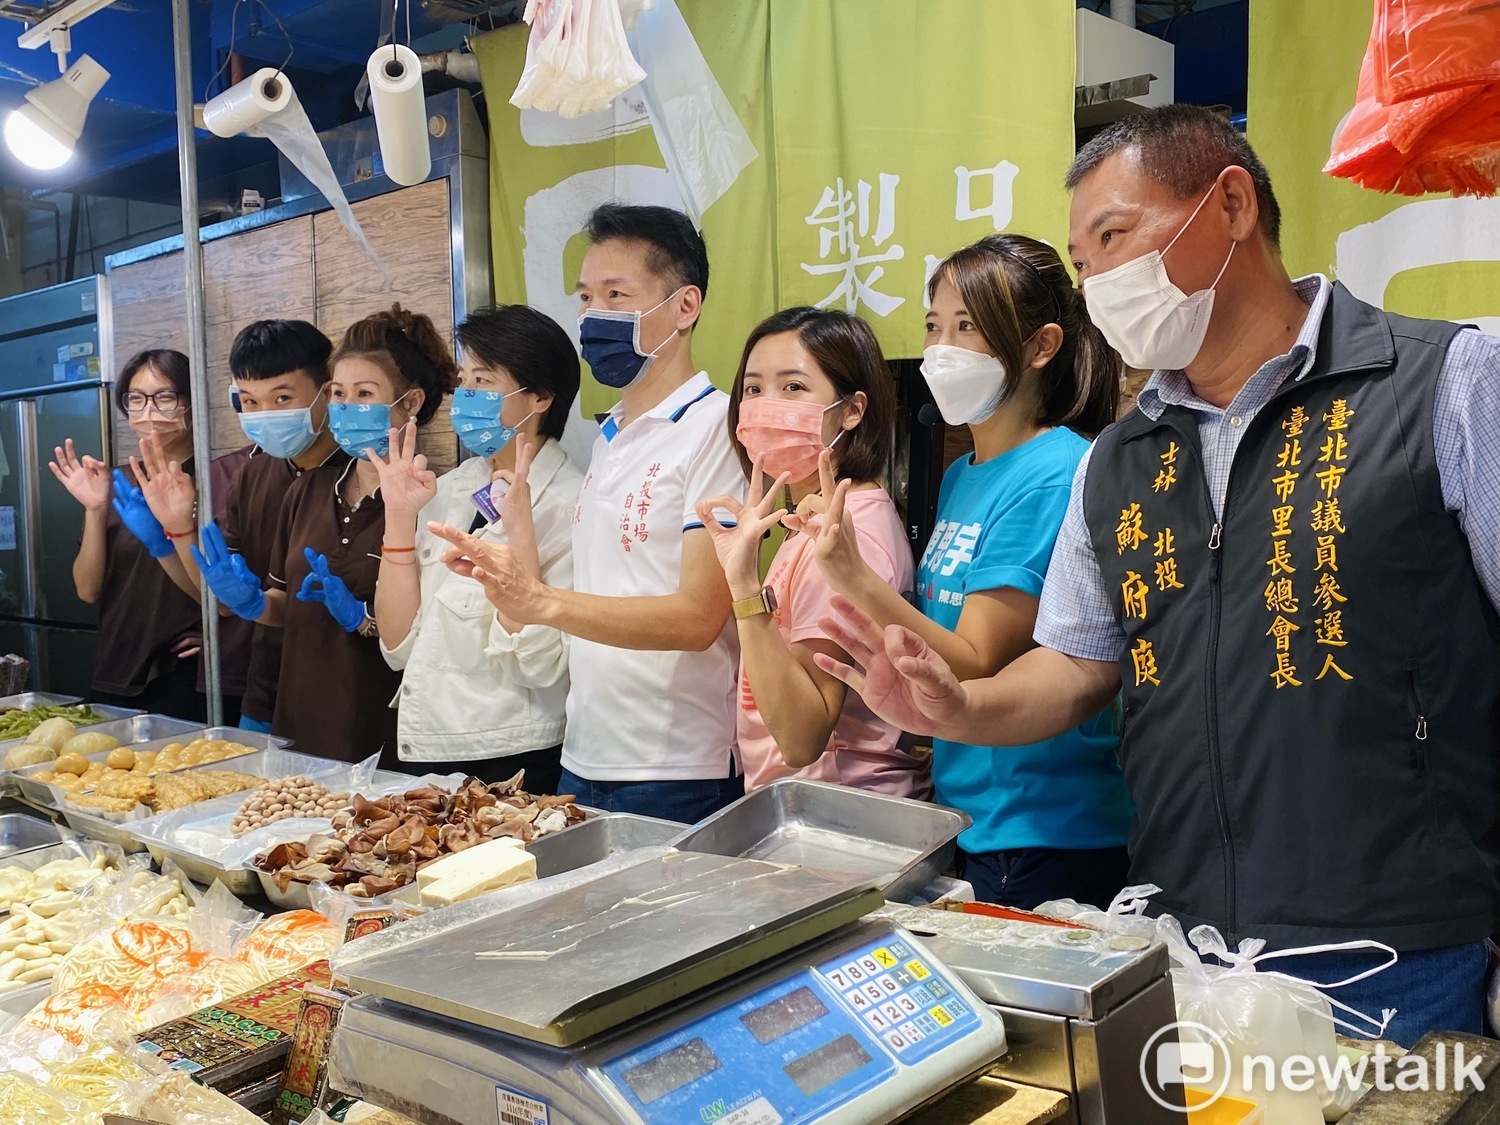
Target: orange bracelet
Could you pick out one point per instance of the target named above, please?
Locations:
(384, 550)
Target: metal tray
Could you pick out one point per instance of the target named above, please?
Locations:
(20, 833)
(106, 713)
(18, 1002)
(26, 700)
(901, 844)
(554, 854)
(133, 734)
(264, 763)
(50, 796)
(205, 870)
(599, 838)
(70, 846)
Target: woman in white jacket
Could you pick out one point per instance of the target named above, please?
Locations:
(481, 694)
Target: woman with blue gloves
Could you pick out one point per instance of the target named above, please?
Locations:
(336, 691)
(150, 629)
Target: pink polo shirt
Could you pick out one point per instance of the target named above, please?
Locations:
(864, 752)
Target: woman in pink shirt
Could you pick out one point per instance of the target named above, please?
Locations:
(812, 405)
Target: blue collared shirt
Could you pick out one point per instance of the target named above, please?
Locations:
(1075, 616)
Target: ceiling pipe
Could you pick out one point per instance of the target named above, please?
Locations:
(1122, 11)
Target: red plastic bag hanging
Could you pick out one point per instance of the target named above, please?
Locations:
(1422, 46)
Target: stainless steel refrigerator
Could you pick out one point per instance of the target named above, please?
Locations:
(52, 387)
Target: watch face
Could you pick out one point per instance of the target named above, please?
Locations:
(768, 595)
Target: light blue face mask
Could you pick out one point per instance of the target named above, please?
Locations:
(359, 426)
(281, 433)
(475, 415)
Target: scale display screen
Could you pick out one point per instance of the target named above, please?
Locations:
(784, 1016)
(671, 1070)
(825, 1066)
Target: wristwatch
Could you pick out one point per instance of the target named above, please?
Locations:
(763, 602)
(367, 627)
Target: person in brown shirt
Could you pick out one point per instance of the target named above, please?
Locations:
(279, 369)
(149, 629)
(335, 692)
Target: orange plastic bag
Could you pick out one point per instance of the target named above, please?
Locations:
(1422, 46)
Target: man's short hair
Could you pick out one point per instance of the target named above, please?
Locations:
(1184, 147)
(266, 349)
(674, 249)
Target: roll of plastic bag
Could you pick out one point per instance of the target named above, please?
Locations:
(266, 105)
(700, 137)
(395, 75)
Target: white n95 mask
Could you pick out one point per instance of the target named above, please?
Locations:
(1152, 324)
(966, 385)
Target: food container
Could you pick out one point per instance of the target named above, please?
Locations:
(901, 844)
(18, 1002)
(156, 833)
(50, 796)
(26, 700)
(298, 895)
(116, 829)
(134, 733)
(598, 838)
(20, 833)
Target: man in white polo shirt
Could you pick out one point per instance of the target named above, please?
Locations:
(651, 711)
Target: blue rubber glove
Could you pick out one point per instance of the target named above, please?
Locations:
(321, 586)
(130, 506)
(228, 576)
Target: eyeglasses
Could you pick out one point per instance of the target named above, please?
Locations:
(166, 402)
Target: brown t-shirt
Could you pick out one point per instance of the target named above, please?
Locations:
(142, 613)
(336, 689)
(252, 511)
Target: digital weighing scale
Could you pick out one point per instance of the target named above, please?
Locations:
(707, 989)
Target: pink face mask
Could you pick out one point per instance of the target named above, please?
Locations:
(789, 434)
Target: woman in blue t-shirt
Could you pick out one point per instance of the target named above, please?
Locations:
(1012, 355)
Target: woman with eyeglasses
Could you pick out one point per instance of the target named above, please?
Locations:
(150, 631)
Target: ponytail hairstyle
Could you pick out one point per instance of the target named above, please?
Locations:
(1011, 286)
(408, 348)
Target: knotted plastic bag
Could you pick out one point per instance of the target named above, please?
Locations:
(1256, 1019)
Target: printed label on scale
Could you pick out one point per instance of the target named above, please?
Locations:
(517, 1109)
(758, 1112)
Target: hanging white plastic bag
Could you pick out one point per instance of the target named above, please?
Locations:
(697, 130)
(1257, 1019)
(577, 58)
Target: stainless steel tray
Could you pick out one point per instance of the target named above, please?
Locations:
(155, 835)
(901, 844)
(69, 846)
(264, 763)
(554, 854)
(134, 733)
(21, 833)
(26, 700)
(105, 712)
(18, 1002)
(559, 962)
(599, 838)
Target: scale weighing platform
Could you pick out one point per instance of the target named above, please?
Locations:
(813, 1016)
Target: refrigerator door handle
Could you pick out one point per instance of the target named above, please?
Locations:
(29, 527)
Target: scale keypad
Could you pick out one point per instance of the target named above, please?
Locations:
(901, 998)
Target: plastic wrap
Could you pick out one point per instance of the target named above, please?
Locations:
(577, 57)
(1126, 915)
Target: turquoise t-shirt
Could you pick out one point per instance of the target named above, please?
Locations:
(996, 524)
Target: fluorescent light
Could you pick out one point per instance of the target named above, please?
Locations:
(42, 132)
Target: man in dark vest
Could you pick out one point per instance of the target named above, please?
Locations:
(1286, 561)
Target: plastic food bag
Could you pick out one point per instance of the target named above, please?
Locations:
(1255, 1013)
(1125, 915)
(1440, 136)
(577, 58)
(697, 130)
(1422, 46)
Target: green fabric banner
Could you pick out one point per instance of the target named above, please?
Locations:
(889, 134)
(1433, 257)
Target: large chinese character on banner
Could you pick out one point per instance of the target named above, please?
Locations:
(887, 136)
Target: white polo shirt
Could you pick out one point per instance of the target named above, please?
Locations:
(651, 716)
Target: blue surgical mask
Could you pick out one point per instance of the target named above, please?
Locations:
(475, 415)
(358, 426)
(281, 433)
(611, 344)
